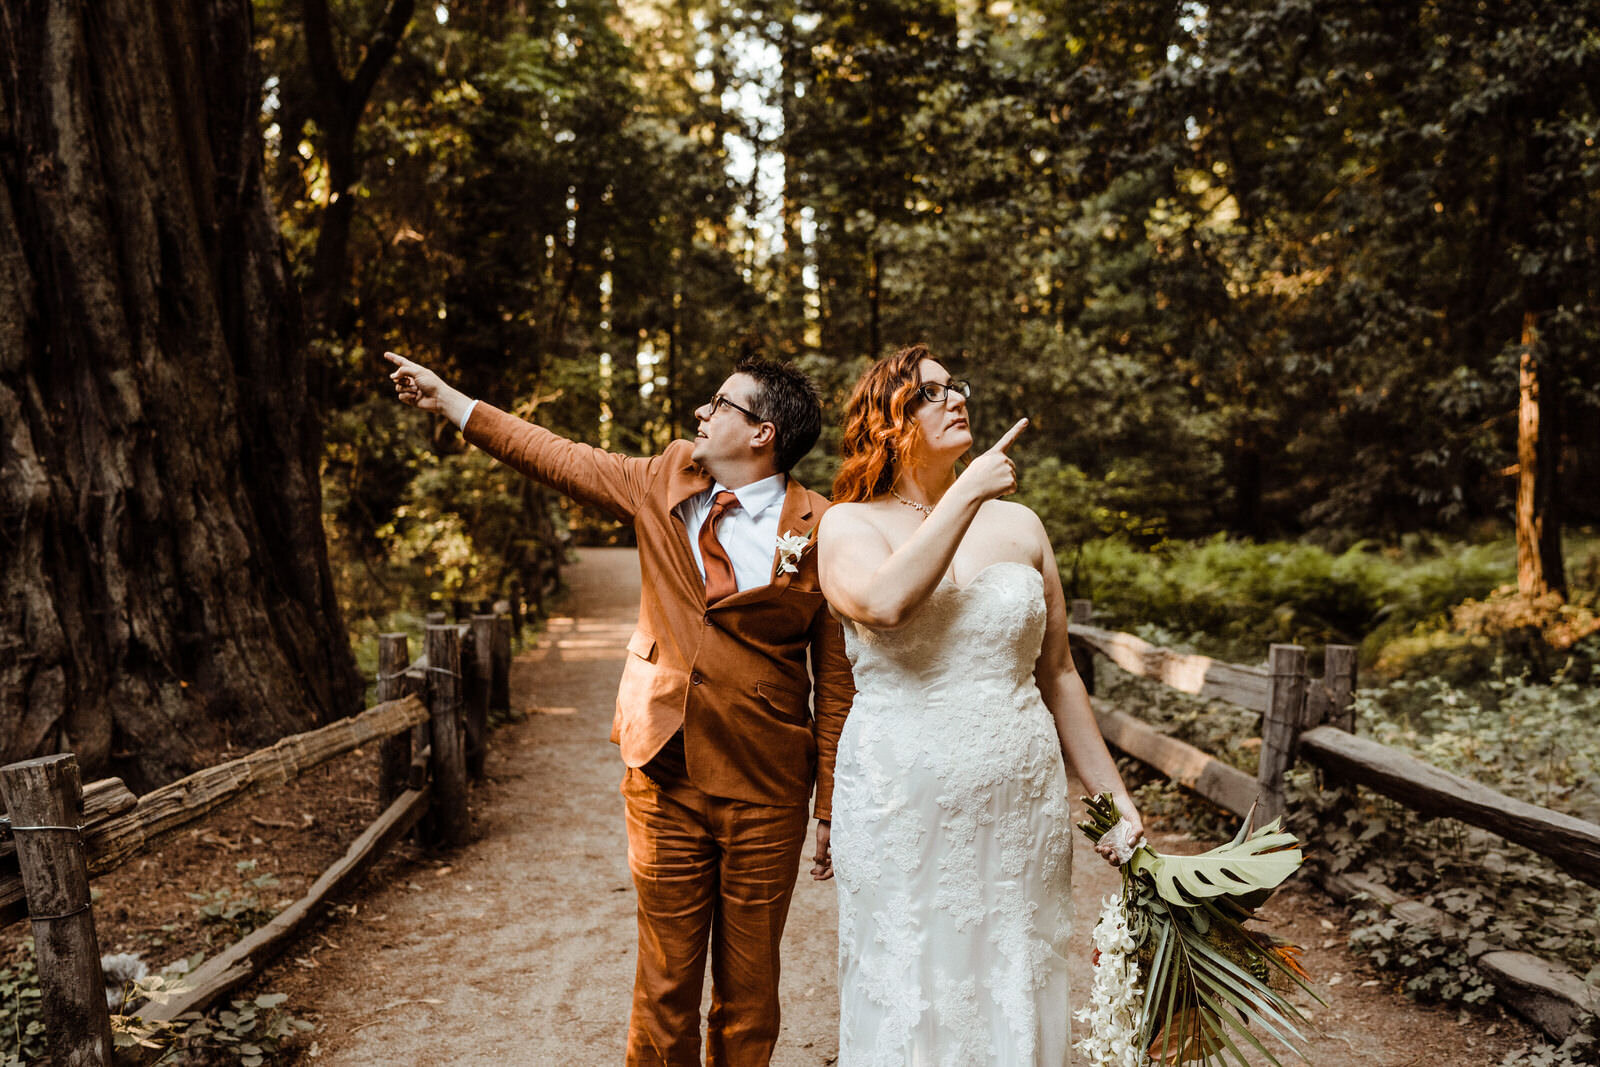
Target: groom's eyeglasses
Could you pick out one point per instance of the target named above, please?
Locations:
(939, 392)
(719, 401)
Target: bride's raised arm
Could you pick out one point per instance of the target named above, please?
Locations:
(1068, 700)
(868, 580)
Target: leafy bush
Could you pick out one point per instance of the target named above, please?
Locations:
(1426, 606)
(249, 1033)
(239, 909)
(21, 1009)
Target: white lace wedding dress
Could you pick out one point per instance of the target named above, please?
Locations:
(951, 837)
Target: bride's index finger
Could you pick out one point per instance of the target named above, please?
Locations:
(1010, 436)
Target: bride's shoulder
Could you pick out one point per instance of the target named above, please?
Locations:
(847, 514)
(1011, 512)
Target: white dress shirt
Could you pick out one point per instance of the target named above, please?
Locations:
(748, 533)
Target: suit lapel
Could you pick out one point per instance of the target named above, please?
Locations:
(684, 483)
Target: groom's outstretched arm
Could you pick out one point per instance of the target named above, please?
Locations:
(591, 475)
(588, 474)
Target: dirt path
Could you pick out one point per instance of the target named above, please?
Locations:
(519, 948)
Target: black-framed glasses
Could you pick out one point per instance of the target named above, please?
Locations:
(719, 401)
(939, 392)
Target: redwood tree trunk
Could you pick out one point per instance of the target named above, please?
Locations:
(1540, 567)
(164, 582)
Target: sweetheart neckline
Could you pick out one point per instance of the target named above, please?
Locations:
(946, 580)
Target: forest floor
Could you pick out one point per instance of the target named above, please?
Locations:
(519, 948)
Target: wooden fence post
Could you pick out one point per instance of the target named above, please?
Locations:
(1082, 654)
(45, 797)
(448, 765)
(394, 753)
(1280, 726)
(500, 676)
(1339, 678)
(478, 689)
(435, 618)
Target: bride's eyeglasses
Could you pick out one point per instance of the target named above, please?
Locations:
(939, 392)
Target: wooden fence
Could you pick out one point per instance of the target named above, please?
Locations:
(431, 726)
(1314, 720)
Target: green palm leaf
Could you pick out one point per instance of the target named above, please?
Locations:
(1259, 862)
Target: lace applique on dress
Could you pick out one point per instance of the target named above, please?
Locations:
(952, 838)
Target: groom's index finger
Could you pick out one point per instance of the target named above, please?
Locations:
(397, 359)
(1010, 436)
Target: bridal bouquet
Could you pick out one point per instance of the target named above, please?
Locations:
(1177, 976)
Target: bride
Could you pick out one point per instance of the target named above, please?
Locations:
(951, 835)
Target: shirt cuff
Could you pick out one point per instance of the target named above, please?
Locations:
(466, 416)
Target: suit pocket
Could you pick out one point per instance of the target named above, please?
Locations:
(642, 645)
(790, 705)
(644, 680)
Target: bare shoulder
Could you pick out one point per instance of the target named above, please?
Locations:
(1019, 517)
(847, 517)
(1012, 531)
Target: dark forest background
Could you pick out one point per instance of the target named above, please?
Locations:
(1318, 280)
(1275, 270)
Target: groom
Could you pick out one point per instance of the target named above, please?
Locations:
(722, 726)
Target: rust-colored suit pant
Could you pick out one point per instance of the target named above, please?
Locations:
(709, 872)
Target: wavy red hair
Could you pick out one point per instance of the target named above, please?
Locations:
(878, 426)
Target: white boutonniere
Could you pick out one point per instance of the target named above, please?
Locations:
(791, 546)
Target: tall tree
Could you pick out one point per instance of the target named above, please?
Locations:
(337, 106)
(164, 587)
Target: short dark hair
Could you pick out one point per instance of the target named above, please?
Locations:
(785, 397)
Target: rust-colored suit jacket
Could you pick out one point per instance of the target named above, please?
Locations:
(734, 676)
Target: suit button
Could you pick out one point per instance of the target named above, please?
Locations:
(708, 618)
(695, 679)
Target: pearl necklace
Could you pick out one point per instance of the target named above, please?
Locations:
(925, 509)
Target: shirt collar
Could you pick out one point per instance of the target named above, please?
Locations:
(758, 496)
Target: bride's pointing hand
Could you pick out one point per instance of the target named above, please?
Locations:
(993, 474)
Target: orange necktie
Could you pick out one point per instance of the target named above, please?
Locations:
(720, 581)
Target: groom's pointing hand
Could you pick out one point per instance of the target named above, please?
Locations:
(418, 387)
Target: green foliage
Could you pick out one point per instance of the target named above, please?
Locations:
(1573, 1052)
(21, 1009)
(235, 911)
(1233, 598)
(1495, 895)
(1539, 743)
(253, 1031)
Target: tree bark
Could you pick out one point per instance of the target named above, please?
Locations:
(1540, 568)
(164, 585)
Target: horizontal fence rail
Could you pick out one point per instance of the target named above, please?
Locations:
(160, 814)
(431, 727)
(1571, 842)
(1202, 676)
